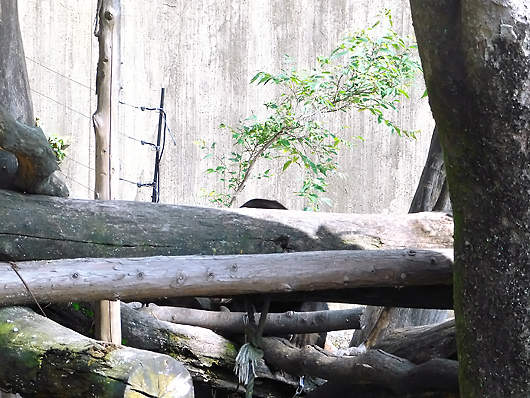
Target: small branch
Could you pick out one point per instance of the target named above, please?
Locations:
(381, 324)
(252, 162)
(15, 268)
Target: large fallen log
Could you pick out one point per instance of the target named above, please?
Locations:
(433, 297)
(39, 228)
(223, 276)
(210, 359)
(43, 359)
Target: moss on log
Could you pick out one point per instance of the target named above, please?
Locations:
(41, 358)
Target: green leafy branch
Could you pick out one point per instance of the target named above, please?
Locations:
(369, 71)
(58, 146)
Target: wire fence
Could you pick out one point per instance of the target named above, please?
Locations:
(159, 149)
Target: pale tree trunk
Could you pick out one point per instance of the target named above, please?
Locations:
(476, 61)
(105, 121)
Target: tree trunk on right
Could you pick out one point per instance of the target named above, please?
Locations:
(476, 59)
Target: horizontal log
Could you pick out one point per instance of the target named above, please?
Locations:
(281, 323)
(40, 358)
(38, 228)
(224, 276)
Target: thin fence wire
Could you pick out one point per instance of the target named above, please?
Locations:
(142, 108)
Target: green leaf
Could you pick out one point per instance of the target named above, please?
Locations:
(404, 93)
(335, 55)
(286, 165)
(258, 75)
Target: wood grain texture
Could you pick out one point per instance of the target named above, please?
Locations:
(223, 276)
(45, 228)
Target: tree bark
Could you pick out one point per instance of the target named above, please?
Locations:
(105, 119)
(379, 322)
(35, 159)
(41, 358)
(15, 94)
(107, 90)
(475, 58)
(434, 297)
(41, 228)
(420, 344)
(279, 323)
(220, 276)
(27, 162)
(432, 193)
(373, 367)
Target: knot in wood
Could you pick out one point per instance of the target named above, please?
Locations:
(181, 278)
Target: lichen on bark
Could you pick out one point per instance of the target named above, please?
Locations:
(476, 60)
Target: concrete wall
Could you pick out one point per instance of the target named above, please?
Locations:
(204, 53)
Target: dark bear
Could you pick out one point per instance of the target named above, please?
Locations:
(264, 204)
(275, 306)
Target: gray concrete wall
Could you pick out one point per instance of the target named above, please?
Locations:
(204, 53)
